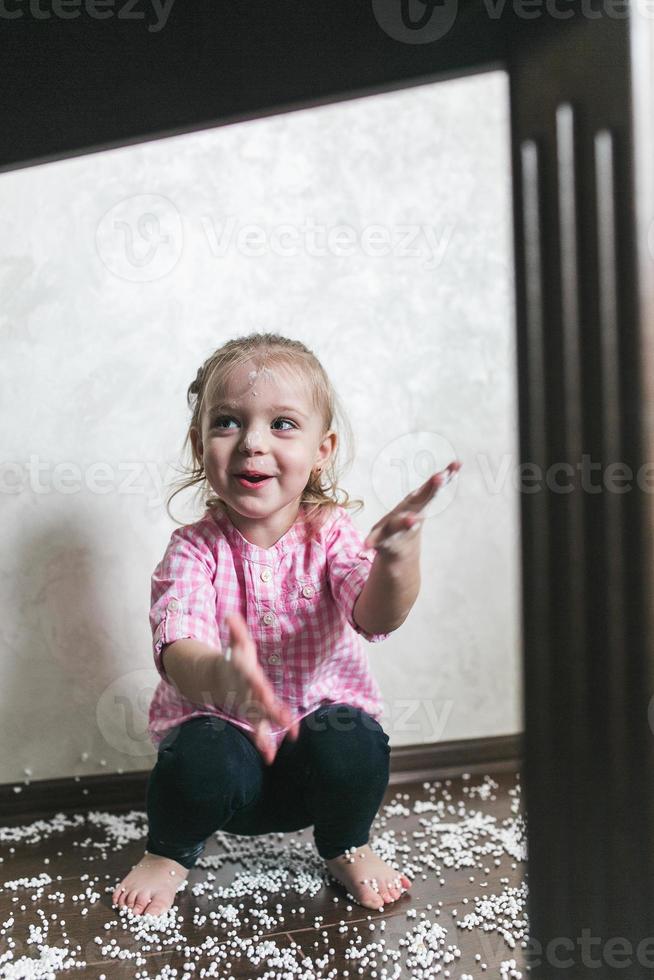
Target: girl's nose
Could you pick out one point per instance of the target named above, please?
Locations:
(252, 439)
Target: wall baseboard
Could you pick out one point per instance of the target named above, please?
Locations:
(113, 791)
(497, 753)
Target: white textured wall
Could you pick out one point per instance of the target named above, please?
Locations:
(119, 276)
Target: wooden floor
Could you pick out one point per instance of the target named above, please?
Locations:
(89, 853)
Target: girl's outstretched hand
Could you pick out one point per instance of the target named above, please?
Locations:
(391, 534)
(249, 688)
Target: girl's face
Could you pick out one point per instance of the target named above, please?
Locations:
(263, 423)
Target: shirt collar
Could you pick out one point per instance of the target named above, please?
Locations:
(287, 541)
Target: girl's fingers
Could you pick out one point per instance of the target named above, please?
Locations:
(265, 699)
(429, 487)
(272, 709)
(239, 635)
(403, 521)
(400, 522)
(261, 729)
(413, 503)
(450, 471)
(261, 690)
(264, 740)
(372, 535)
(237, 627)
(437, 480)
(371, 541)
(380, 530)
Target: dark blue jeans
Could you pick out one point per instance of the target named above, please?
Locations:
(209, 776)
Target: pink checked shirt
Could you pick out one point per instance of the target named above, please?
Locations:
(297, 599)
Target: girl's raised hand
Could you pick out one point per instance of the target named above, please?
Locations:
(391, 534)
(247, 687)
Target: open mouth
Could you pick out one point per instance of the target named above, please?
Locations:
(251, 480)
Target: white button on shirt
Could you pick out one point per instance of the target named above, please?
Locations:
(268, 618)
(307, 591)
(274, 659)
(266, 575)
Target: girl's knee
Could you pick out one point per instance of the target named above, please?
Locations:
(230, 780)
(341, 719)
(349, 746)
(213, 771)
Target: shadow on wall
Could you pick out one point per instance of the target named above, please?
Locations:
(64, 627)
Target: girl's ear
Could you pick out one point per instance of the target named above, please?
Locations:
(327, 447)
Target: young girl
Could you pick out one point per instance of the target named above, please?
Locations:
(265, 717)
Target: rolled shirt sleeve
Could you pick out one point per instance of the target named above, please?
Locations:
(348, 568)
(183, 597)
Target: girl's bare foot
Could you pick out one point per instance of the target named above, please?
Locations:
(150, 886)
(369, 880)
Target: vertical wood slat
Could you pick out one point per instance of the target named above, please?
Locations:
(572, 442)
(640, 417)
(642, 119)
(610, 353)
(540, 678)
(589, 753)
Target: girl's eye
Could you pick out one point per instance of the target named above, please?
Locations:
(221, 418)
(228, 418)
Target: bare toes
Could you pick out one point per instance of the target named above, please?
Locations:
(155, 908)
(381, 890)
(369, 896)
(378, 895)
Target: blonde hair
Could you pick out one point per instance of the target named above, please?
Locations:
(321, 493)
